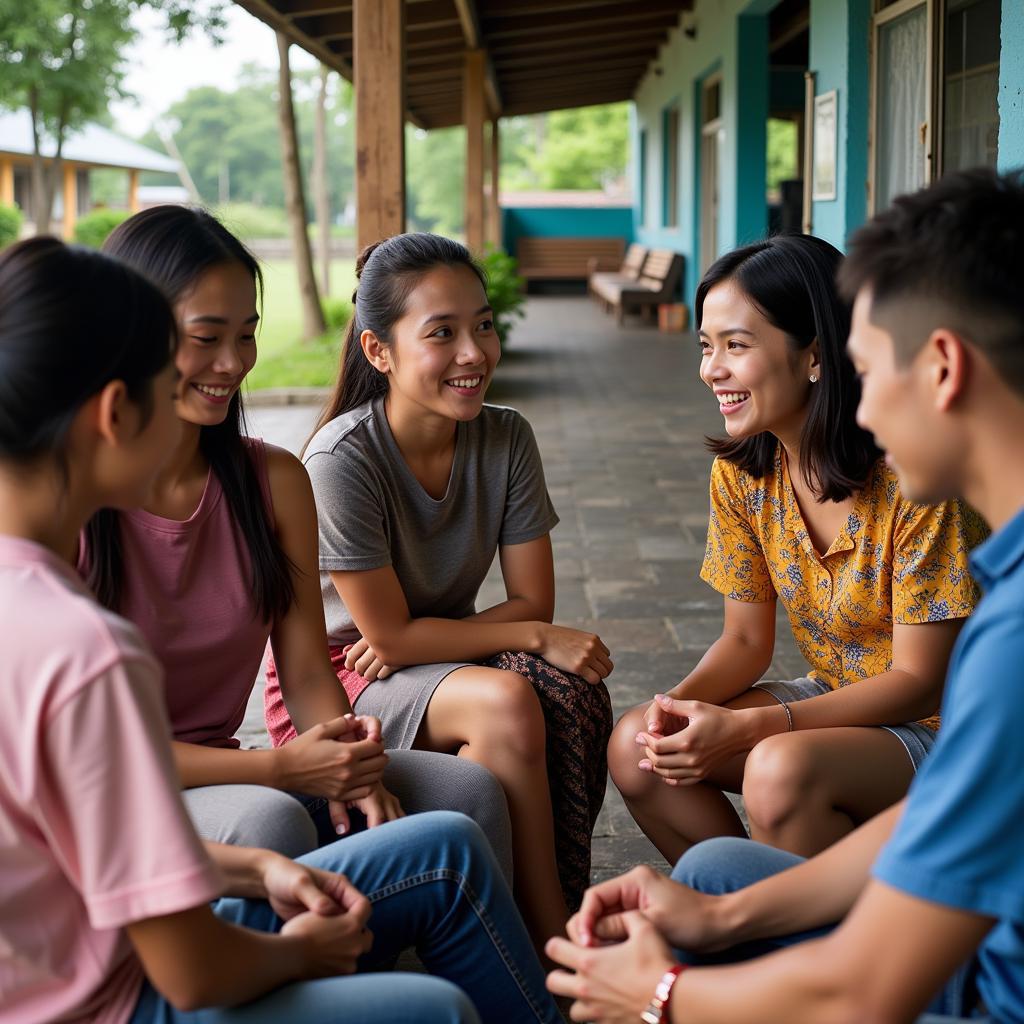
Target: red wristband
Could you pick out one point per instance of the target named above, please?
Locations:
(656, 1008)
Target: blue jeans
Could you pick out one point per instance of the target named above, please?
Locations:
(726, 864)
(434, 885)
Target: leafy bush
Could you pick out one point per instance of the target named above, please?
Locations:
(94, 227)
(10, 225)
(504, 290)
(337, 313)
(249, 221)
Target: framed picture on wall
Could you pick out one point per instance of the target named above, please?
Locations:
(823, 180)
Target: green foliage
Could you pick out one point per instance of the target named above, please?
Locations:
(337, 313)
(583, 148)
(783, 147)
(435, 180)
(505, 290)
(301, 365)
(249, 221)
(93, 228)
(10, 225)
(229, 140)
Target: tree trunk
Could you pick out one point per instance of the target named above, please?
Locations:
(321, 198)
(40, 211)
(312, 315)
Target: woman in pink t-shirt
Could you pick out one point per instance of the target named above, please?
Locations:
(223, 557)
(105, 917)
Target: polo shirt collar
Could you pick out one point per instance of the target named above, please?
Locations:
(1001, 554)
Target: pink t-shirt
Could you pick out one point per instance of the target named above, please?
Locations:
(187, 587)
(93, 834)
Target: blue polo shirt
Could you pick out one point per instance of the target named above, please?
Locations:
(961, 840)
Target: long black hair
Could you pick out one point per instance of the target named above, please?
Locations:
(791, 280)
(174, 246)
(386, 271)
(59, 344)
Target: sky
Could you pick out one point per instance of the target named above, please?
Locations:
(160, 73)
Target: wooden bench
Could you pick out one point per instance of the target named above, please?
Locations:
(658, 282)
(630, 270)
(566, 259)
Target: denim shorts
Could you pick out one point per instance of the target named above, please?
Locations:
(916, 738)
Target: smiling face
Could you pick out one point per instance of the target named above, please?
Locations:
(444, 348)
(217, 321)
(760, 382)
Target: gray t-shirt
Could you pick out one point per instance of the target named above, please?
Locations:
(373, 512)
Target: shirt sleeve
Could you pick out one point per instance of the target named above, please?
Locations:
(529, 513)
(734, 562)
(350, 510)
(111, 803)
(960, 838)
(931, 581)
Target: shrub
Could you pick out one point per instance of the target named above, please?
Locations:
(250, 222)
(10, 225)
(337, 313)
(94, 227)
(504, 290)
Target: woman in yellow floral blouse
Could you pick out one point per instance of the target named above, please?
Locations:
(804, 510)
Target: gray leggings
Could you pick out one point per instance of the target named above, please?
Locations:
(421, 780)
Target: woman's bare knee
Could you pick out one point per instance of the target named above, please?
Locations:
(780, 782)
(508, 716)
(624, 754)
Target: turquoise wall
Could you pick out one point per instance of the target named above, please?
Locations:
(1011, 87)
(840, 30)
(565, 222)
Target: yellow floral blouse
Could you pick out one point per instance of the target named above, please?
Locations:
(893, 561)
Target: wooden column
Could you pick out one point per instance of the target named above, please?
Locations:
(473, 114)
(133, 190)
(494, 195)
(379, 80)
(7, 182)
(70, 199)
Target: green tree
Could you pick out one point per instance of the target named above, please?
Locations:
(62, 60)
(435, 180)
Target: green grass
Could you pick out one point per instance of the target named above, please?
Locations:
(284, 361)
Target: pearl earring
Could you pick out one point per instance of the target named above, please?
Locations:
(814, 378)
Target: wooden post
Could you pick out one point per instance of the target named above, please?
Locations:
(295, 199)
(473, 112)
(494, 206)
(378, 56)
(70, 199)
(133, 190)
(7, 182)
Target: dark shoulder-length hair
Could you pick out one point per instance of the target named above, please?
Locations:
(386, 271)
(791, 280)
(174, 246)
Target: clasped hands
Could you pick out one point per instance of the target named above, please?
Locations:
(686, 740)
(620, 943)
(343, 760)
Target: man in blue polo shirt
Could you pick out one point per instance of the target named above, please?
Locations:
(930, 893)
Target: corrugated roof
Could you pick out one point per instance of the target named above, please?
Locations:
(94, 144)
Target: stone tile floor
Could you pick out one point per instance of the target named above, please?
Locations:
(619, 415)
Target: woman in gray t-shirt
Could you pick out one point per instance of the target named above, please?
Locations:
(418, 484)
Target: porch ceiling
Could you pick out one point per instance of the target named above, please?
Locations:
(541, 54)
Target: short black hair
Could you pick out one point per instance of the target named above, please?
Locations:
(952, 254)
(791, 280)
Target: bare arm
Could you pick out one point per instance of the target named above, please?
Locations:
(529, 574)
(378, 606)
(737, 659)
(883, 964)
(910, 690)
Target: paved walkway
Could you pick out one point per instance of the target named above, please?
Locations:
(619, 415)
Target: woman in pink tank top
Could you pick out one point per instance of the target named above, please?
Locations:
(224, 556)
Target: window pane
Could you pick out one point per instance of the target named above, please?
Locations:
(970, 125)
(901, 105)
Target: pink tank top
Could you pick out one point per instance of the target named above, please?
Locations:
(187, 587)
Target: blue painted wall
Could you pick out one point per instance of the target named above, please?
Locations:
(840, 30)
(565, 222)
(1011, 87)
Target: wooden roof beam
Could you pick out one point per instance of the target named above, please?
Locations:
(470, 21)
(661, 13)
